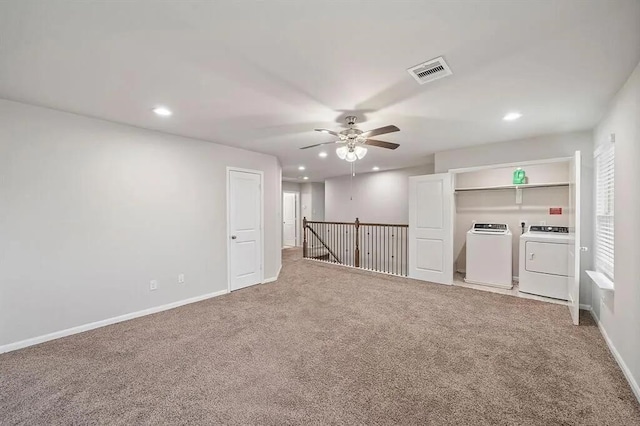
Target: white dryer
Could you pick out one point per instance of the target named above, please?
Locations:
(489, 255)
(544, 261)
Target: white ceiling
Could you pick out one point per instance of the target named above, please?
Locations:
(262, 75)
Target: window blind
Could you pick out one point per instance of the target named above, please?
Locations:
(604, 256)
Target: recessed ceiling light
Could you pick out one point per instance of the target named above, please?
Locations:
(306, 178)
(301, 168)
(375, 168)
(162, 111)
(322, 154)
(512, 116)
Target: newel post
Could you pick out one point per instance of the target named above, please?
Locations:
(304, 237)
(357, 252)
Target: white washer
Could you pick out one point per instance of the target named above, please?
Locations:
(489, 257)
(544, 261)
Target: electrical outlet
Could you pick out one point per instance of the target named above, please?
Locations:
(153, 285)
(181, 279)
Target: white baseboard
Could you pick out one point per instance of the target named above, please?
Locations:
(585, 307)
(102, 323)
(272, 279)
(616, 355)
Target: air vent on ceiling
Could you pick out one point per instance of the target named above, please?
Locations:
(430, 70)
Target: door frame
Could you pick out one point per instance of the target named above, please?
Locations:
(228, 227)
(575, 185)
(455, 172)
(567, 160)
(298, 218)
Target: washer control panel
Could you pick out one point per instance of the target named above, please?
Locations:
(490, 228)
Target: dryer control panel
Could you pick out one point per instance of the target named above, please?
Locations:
(555, 229)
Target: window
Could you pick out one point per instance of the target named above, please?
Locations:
(604, 157)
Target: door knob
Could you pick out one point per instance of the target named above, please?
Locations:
(233, 237)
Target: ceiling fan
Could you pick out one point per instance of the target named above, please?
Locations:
(355, 140)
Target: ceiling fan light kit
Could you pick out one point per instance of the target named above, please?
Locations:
(351, 154)
(354, 140)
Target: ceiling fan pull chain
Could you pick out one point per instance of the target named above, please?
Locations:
(353, 173)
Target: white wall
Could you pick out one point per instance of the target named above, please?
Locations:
(290, 186)
(499, 206)
(91, 211)
(317, 197)
(381, 197)
(312, 201)
(538, 148)
(619, 314)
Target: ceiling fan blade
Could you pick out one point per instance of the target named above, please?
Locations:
(380, 131)
(319, 144)
(381, 144)
(331, 132)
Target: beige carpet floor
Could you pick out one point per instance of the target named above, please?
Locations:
(327, 345)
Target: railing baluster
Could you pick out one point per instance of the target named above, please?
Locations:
(331, 233)
(377, 248)
(339, 232)
(356, 250)
(385, 248)
(374, 263)
(383, 230)
(395, 247)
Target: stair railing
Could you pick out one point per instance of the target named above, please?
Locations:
(377, 247)
(305, 245)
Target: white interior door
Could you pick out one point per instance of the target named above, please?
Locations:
(245, 229)
(431, 228)
(289, 218)
(573, 280)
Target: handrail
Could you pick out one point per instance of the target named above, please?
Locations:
(399, 225)
(402, 225)
(319, 239)
(332, 223)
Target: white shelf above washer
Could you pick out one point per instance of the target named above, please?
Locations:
(526, 185)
